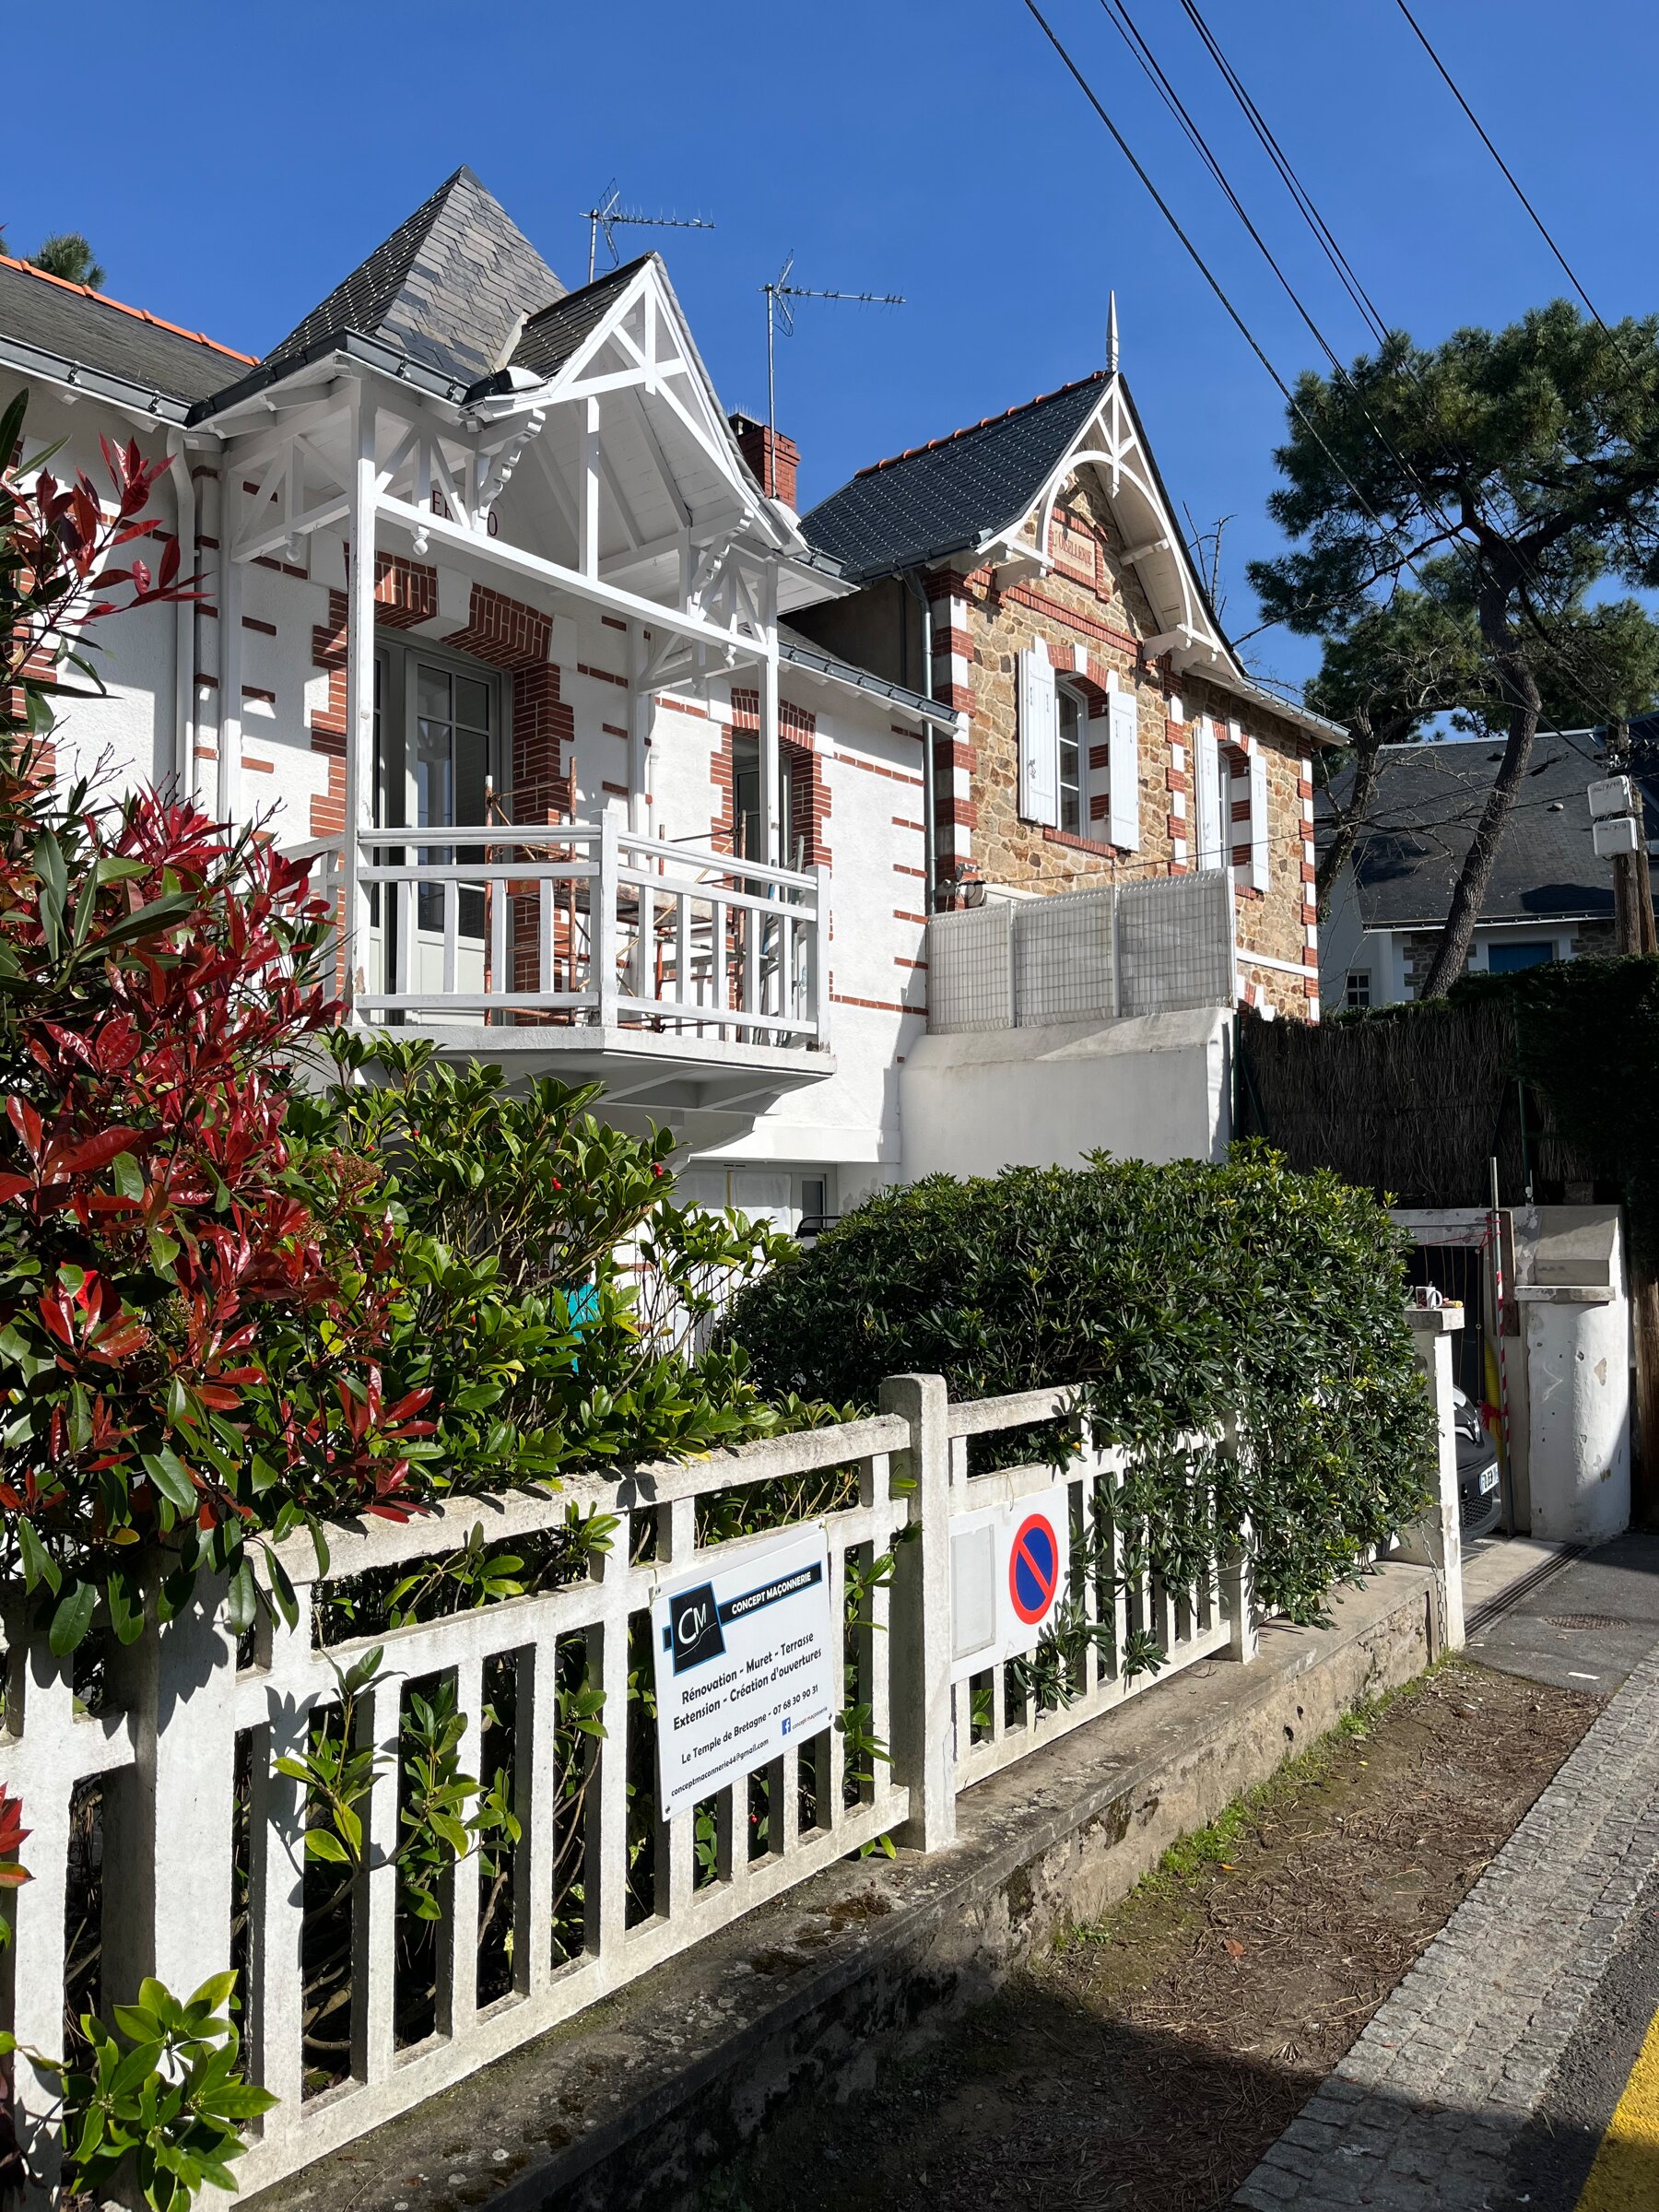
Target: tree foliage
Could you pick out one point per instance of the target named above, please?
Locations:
(1178, 1297)
(1512, 472)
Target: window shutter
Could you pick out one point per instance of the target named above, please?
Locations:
(1207, 777)
(1039, 738)
(1258, 820)
(1124, 767)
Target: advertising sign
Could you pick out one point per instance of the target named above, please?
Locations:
(745, 1663)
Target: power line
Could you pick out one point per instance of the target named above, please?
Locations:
(1362, 300)
(1538, 221)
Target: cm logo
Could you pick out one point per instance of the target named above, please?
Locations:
(694, 1633)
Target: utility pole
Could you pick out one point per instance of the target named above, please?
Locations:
(1633, 929)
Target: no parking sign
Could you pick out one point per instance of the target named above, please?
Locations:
(1009, 1569)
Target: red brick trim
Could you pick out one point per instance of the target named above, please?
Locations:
(877, 1005)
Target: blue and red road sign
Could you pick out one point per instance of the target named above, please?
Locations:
(1033, 1568)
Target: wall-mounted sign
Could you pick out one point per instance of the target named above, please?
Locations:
(1008, 1569)
(746, 1665)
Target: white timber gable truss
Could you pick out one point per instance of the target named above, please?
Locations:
(609, 482)
(1114, 444)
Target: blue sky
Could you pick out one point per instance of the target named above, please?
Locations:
(932, 147)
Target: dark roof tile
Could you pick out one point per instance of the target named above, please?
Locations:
(101, 334)
(938, 498)
(1429, 799)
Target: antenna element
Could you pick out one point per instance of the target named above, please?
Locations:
(608, 214)
(779, 293)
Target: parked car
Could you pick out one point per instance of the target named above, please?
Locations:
(1479, 1494)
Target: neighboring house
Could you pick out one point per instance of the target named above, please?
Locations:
(1027, 569)
(1550, 898)
(598, 783)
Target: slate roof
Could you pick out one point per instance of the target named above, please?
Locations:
(448, 287)
(1429, 799)
(938, 498)
(76, 324)
(549, 338)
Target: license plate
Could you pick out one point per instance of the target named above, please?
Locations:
(1488, 1481)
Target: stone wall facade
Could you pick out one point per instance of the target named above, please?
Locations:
(1090, 612)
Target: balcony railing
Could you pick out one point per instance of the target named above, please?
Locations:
(583, 923)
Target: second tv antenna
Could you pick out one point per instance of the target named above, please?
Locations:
(608, 214)
(779, 293)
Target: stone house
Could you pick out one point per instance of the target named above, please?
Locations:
(1026, 571)
(1550, 898)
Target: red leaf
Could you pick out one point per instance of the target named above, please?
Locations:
(98, 1151)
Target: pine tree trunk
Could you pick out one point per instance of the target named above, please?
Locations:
(1468, 896)
(1368, 766)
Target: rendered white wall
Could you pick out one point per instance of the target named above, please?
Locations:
(1153, 1087)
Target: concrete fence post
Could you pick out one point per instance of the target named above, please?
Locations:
(1436, 1540)
(167, 1819)
(923, 1732)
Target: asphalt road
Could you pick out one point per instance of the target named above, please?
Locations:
(1586, 1627)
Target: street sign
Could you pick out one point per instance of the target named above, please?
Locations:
(745, 1666)
(1009, 1562)
(1033, 1570)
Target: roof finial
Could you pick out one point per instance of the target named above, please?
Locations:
(1111, 334)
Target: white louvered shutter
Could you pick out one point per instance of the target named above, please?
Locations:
(1039, 738)
(1206, 780)
(1258, 820)
(1122, 755)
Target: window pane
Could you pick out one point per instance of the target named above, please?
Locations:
(1071, 777)
(1504, 960)
(434, 693)
(472, 703)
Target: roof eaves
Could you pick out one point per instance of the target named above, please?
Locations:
(35, 360)
(351, 345)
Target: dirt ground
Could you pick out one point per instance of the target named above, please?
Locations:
(1145, 2062)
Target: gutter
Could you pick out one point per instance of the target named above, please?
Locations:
(860, 679)
(58, 368)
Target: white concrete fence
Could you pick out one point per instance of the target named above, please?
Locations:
(202, 1841)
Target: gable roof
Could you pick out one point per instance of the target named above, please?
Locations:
(449, 287)
(78, 328)
(549, 338)
(1429, 799)
(944, 496)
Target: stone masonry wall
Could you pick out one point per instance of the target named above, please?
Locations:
(1091, 613)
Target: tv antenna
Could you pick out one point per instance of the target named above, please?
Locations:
(779, 293)
(610, 214)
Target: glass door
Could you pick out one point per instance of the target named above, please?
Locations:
(452, 720)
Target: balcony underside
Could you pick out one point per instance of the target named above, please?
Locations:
(683, 1082)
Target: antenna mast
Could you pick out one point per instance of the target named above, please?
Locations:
(779, 293)
(608, 214)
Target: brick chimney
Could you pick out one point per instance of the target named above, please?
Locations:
(774, 458)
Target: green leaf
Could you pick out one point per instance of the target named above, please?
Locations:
(242, 1602)
(37, 1564)
(322, 1843)
(215, 1991)
(167, 1472)
(72, 1616)
(129, 1176)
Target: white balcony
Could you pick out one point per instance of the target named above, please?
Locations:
(688, 982)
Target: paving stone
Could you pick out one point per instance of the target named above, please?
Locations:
(1423, 2111)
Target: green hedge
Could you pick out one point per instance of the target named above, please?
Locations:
(1178, 1295)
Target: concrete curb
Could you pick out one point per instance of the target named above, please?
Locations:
(672, 2077)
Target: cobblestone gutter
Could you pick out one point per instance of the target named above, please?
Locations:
(804, 1998)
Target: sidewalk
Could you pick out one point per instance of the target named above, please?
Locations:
(1443, 2104)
